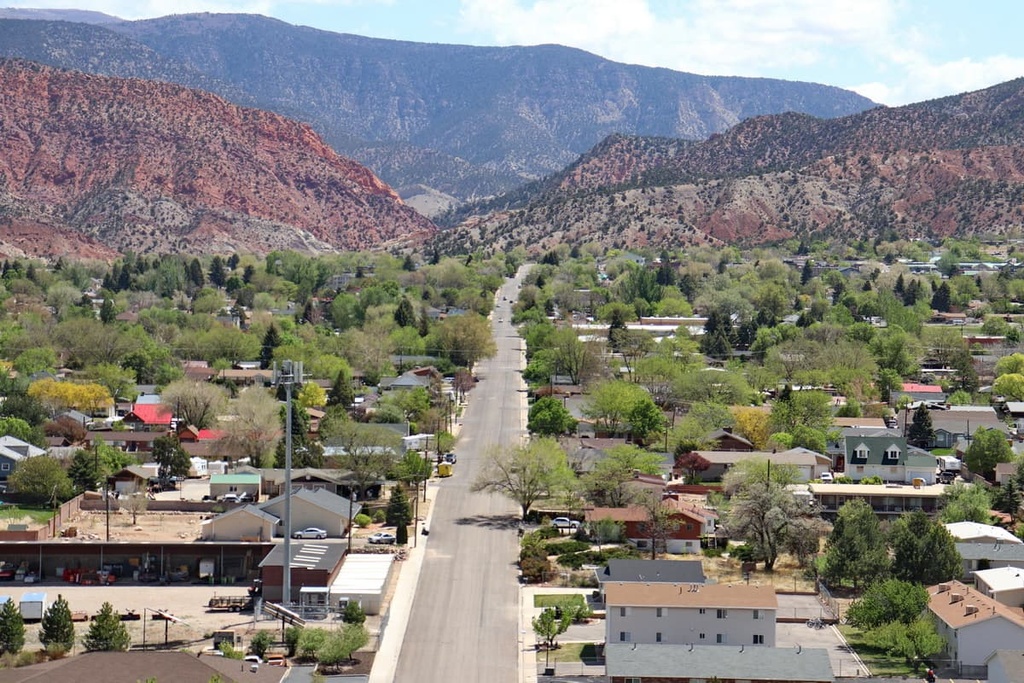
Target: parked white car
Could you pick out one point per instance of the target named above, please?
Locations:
(310, 532)
(382, 538)
(565, 523)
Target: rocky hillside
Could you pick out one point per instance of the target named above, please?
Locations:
(944, 167)
(457, 121)
(154, 167)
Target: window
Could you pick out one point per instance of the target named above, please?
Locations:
(892, 453)
(5, 466)
(625, 636)
(622, 611)
(758, 639)
(702, 611)
(660, 613)
(757, 614)
(723, 614)
(720, 638)
(703, 636)
(657, 637)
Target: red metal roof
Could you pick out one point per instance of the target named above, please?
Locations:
(151, 414)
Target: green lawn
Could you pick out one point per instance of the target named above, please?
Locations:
(16, 514)
(556, 600)
(570, 652)
(877, 661)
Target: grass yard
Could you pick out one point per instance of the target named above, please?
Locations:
(22, 514)
(556, 600)
(570, 652)
(877, 661)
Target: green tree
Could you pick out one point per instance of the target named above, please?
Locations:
(305, 453)
(42, 479)
(965, 503)
(260, 643)
(988, 448)
(764, 510)
(914, 642)
(271, 340)
(311, 641)
(923, 551)
(339, 644)
(107, 633)
(804, 409)
(465, 339)
(607, 484)
(399, 513)
(921, 433)
(57, 630)
(171, 458)
(856, 548)
(525, 473)
(195, 403)
(549, 417)
(404, 315)
(311, 395)
(941, 298)
(888, 601)
(645, 419)
(610, 404)
(12, 628)
(548, 627)
(1010, 386)
(108, 313)
(19, 429)
(342, 394)
(353, 613)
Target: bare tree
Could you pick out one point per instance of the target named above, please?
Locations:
(135, 503)
(659, 522)
(255, 426)
(196, 403)
(525, 473)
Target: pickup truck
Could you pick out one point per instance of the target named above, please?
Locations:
(232, 603)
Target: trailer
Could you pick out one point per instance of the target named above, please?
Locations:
(948, 463)
(32, 606)
(232, 603)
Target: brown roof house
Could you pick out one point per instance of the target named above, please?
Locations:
(973, 625)
(693, 523)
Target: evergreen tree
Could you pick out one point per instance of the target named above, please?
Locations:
(86, 471)
(271, 340)
(923, 551)
(107, 312)
(856, 548)
(106, 632)
(195, 273)
(399, 512)
(402, 535)
(217, 275)
(171, 458)
(900, 287)
(233, 261)
(921, 433)
(305, 453)
(248, 274)
(12, 629)
(354, 613)
(424, 324)
(408, 264)
(124, 280)
(941, 299)
(405, 316)
(57, 631)
(342, 394)
(807, 273)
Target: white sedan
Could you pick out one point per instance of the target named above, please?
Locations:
(382, 537)
(310, 532)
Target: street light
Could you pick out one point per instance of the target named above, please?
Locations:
(290, 374)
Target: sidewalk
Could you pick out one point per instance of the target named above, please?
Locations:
(386, 661)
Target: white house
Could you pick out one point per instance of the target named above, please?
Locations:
(1004, 584)
(684, 613)
(1006, 666)
(990, 555)
(973, 624)
(974, 532)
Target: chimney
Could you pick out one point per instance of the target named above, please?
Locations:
(955, 597)
(943, 587)
(969, 610)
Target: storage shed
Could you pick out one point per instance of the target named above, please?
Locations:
(363, 579)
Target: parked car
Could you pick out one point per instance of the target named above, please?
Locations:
(230, 498)
(450, 458)
(826, 478)
(565, 523)
(310, 532)
(382, 537)
(246, 497)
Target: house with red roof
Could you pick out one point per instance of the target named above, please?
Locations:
(149, 417)
(692, 524)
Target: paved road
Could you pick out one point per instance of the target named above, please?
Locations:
(464, 620)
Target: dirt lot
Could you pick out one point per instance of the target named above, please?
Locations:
(148, 526)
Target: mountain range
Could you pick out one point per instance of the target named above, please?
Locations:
(93, 165)
(441, 123)
(951, 166)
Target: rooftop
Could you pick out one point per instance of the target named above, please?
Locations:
(131, 667)
(689, 595)
(959, 605)
(711, 662)
(1001, 578)
(322, 556)
(668, 571)
(1004, 552)
(966, 531)
(865, 490)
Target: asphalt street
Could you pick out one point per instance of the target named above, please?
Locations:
(464, 620)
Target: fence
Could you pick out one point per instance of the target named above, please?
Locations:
(62, 515)
(829, 602)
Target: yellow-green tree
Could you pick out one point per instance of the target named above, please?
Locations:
(59, 396)
(312, 395)
(754, 424)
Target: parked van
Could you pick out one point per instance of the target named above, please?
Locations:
(826, 478)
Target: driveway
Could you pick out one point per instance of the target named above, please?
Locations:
(802, 607)
(845, 663)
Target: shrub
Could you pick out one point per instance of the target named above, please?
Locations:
(230, 651)
(547, 531)
(577, 560)
(27, 658)
(744, 553)
(260, 643)
(712, 552)
(565, 547)
(311, 640)
(354, 613)
(379, 516)
(874, 479)
(362, 521)
(291, 639)
(535, 569)
(842, 479)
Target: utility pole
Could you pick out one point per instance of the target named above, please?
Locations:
(289, 375)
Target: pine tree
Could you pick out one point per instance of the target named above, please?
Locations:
(807, 273)
(217, 276)
(12, 628)
(107, 312)
(941, 300)
(233, 261)
(920, 433)
(106, 632)
(399, 513)
(408, 264)
(57, 631)
(341, 393)
(271, 340)
(405, 316)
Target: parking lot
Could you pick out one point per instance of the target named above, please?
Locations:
(803, 607)
(845, 663)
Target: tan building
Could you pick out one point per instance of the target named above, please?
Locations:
(246, 523)
(315, 508)
(690, 613)
(973, 625)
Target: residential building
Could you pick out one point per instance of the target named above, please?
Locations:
(973, 625)
(1005, 666)
(626, 663)
(134, 666)
(650, 571)
(726, 440)
(245, 523)
(973, 532)
(148, 417)
(692, 524)
(960, 423)
(809, 465)
(836, 448)
(316, 508)
(887, 500)
(690, 613)
(1003, 584)
(13, 451)
(889, 458)
(977, 556)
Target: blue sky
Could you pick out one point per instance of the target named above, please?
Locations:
(893, 51)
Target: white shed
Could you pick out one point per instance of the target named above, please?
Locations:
(363, 579)
(197, 468)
